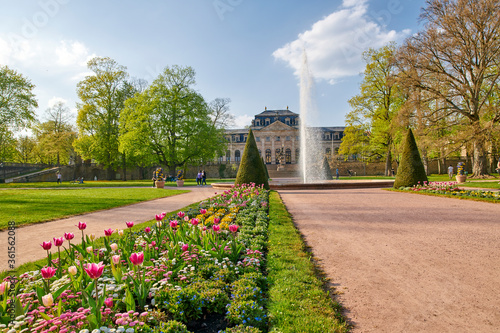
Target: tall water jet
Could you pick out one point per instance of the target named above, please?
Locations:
(311, 154)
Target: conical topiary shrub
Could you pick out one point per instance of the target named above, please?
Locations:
(411, 169)
(251, 169)
(327, 171)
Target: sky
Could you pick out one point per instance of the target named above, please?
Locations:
(247, 50)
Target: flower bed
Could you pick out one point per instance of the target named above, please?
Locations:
(189, 268)
(452, 189)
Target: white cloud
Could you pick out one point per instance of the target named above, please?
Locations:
(71, 53)
(335, 44)
(242, 121)
(54, 100)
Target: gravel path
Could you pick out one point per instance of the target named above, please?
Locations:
(403, 262)
(29, 237)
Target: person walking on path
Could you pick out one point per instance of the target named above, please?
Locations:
(337, 175)
(198, 178)
(203, 178)
(450, 171)
(59, 176)
(498, 168)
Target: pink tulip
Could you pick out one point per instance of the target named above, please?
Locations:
(72, 270)
(94, 270)
(203, 211)
(216, 227)
(153, 243)
(195, 221)
(173, 224)
(233, 228)
(48, 272)
(186, 218)
(108, 232)
(58, 241)
(163, 214)
(47, 300)
(4, 286)
(129, 224)
(216, 220)
(116, 259)
(82, 225)
(137, 258)
(69, 235)
(181, 214)
(46, 245)
(147, 230)
(185, 247)
(114, 246)
(158, 217)
(109, 302)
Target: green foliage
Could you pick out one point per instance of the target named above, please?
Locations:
(297, 302)
(169, 123)
(7, 144)
(222, 169)
(171, 326)
(410, 170)
(326, 167)
(242, 329)
(17, 101)
(265, 167)
(251, 168)
(102, 96)
(183, 305)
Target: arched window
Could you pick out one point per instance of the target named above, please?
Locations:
(277, 155)
(268, 156)
(221, 158)
(228, 156)
(237, 155)
(288, 156)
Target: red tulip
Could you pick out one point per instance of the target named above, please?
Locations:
(46, 245)
(109, 302)
(147, 230)
(216, 220)
(185, 247)
(195, 221)
(58, 241)
(69, 235)
(181, 214)
(233, 228)
(130, 224)
(94, 270)
(48, 272)
(203, 211)
(216, 227)
(137, 258)
(158, 217)
(82, 225)
(173, 224)
(108, 232)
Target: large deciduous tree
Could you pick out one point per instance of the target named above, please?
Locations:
(169, 123)
(374, 109)
(455, 61)
(102, 96)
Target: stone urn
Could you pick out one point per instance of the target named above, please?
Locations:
(461, 178)
(180, 183)
(160, 184)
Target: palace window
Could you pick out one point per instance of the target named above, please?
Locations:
(268, 121)
(268, 138)
(288, 138)
(277, 156)
(237, 155)
(228, 156)
(257, 139)
(268, 156)
(288, 156)
(278, 138)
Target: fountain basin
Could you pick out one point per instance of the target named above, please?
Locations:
(295, 184)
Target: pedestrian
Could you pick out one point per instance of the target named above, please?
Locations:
(498, 167)
(155, 175)
(337, 175)
(203, 178)
(393, 173)
(59, 176)
(450, 171)
(198, 178)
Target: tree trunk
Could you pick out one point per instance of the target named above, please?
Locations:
(478, 160)
(388, 161)
(124, 167)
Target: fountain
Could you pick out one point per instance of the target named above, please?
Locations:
(311, 154)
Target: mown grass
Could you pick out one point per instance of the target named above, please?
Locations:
(106, 183)
(462, 197)
(39, 205)
(297, 301)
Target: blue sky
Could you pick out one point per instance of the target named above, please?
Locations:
(245, 50)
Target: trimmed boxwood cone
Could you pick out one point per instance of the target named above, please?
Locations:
(326, 167)
(265, 168)
(251, 169)
(411, 169)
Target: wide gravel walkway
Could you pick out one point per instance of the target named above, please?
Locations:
(403, 262)
(29, 238)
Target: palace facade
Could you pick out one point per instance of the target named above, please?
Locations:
(277, 132)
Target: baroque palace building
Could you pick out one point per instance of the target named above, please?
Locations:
(277, 132)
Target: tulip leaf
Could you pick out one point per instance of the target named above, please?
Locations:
(44, 316)
(59, 291)
(129, 300)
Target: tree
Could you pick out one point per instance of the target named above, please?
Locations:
(169, 123)
(219, 112)
(25, 150)
(455, 60)
(102, 96)
(375, 108)
(7, 144)
(411, 171)
(55, 136)
(17, 101)
(251, 169)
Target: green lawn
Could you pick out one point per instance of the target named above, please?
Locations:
(106, 183)
(37, 205)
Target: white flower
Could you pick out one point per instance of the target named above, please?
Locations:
(84, 331)
(96, 331)
(129, 330)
